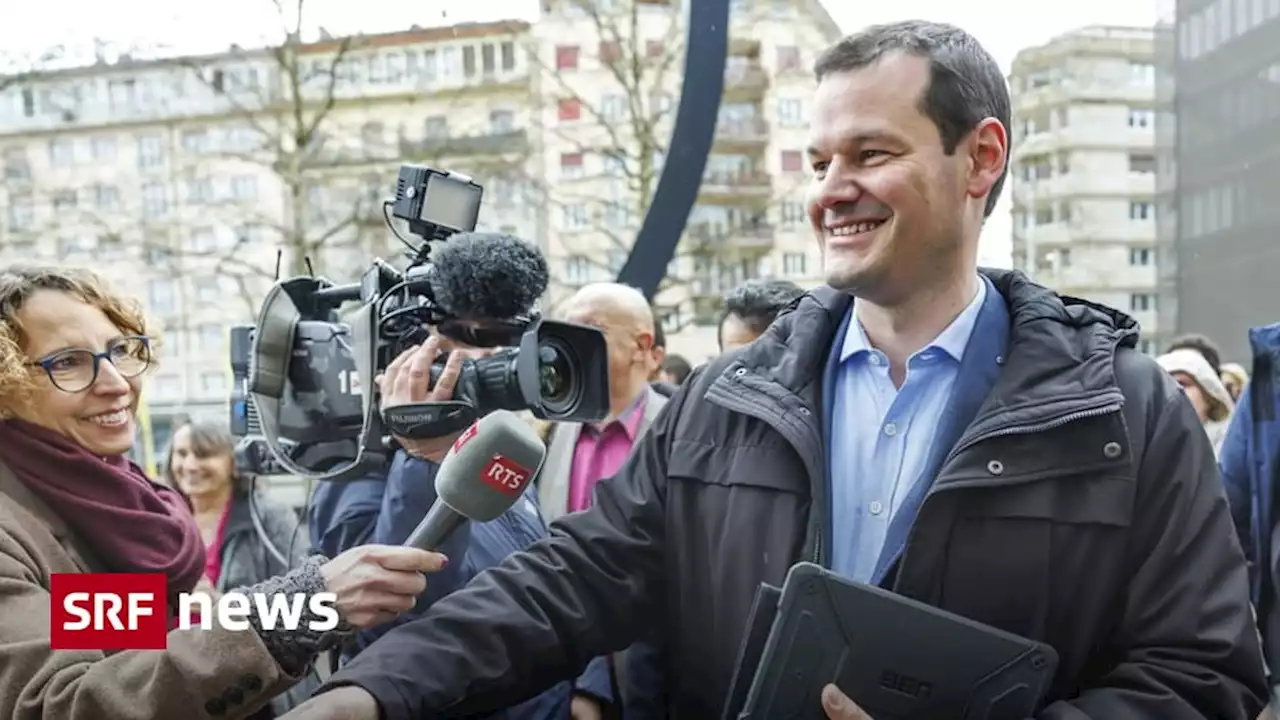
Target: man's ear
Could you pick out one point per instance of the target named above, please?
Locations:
(988, 148)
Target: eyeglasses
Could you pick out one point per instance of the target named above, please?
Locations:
(76, 370)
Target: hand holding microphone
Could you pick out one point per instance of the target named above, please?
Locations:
(482, 476)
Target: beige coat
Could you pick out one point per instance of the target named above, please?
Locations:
(203, 673)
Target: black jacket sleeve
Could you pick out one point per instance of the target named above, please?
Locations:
(543, 614)
(1185, 634)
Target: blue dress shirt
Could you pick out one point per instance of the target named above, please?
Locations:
(882, 436)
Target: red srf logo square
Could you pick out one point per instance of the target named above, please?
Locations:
(505, 476)
(108, 611)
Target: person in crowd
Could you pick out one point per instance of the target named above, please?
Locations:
(675, 369)
(1250, 465)
(1207, 348)
(657, 379)
(751, 307)
(1234, 377)
(72, 357)
(248, 537)
(387, 508)
(967, 439)
(1203, 387)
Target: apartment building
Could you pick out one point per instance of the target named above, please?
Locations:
(1220, 76)
(191, 180)
(1083, 171)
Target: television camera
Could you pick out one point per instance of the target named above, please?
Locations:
(304, 376)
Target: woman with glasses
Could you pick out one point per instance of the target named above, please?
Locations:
(72, 358)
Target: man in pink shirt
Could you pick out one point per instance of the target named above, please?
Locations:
(581, 455)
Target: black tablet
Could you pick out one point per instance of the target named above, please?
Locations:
(897, 658)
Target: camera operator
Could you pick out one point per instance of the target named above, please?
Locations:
(386, 508)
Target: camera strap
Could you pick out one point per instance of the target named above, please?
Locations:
(270, 356)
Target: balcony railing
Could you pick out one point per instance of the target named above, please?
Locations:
(708, 237)
(754, 129)
(730, 182)
(514, 141)
(746, 77)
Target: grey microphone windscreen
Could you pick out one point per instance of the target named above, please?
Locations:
(489, 466)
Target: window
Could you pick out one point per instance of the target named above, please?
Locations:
(208, 336)
(615, 165)
(1142, 118)
(103, 149)
(576, 217)
(469, 61)
(570, 109)
(610, 52)
(22, 215)
(450, 63)
(437, 126)
(195, 141)
(106, 197)
(788, 58)
(16, 166)
(577, 270)
(1144, 163)
(161, 296)
(791, 213)
(200, 190)
(150, 151)
(566, 57)
(613, 107)
(501, 121)
(213, 383)
(1140, 256)
(507, 51)
(155, 203)
(1141, 211)
(1142, 302)
(244, 187)
(1142, 73)
(167, 386)
(790, 111)
(795, 264)
(62, 152)
(64, 201)
(571, 165)
(792, 161)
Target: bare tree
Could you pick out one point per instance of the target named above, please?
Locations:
(628, 126)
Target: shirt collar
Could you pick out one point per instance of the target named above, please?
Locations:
(952, 340)
(630, 418)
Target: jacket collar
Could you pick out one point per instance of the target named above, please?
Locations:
(10, 485)
(1060, 348)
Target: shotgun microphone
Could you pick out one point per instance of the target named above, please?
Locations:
(485, 472)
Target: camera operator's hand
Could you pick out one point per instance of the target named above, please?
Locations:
(408, 381)
(375, 583)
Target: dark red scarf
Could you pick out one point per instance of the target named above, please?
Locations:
(130, 523)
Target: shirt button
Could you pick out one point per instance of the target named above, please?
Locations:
(875, 507)
(890, 429)
(875, 359)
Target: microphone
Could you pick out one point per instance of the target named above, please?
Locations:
(488, 275)
(486, 470)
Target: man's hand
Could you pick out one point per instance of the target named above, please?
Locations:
(344, 703)
(838, 706)
(585, 708)
(408, 381)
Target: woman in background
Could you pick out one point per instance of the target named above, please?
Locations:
(248, 537)
(1203, 387)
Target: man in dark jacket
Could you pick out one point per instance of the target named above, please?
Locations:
(1052, 480)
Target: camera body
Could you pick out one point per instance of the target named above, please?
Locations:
(312, 370)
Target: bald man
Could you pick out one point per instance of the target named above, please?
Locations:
(580, 455)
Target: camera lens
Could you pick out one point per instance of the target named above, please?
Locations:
(556, 373)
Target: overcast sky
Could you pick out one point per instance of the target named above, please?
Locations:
(1004, 26)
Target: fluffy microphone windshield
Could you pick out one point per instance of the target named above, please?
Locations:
(488, 275)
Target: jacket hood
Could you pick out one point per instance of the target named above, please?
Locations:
(1193, 364)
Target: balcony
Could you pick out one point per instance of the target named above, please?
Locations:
(473, 146)
(734, 134)
(735, 187)
(745, 82)
(710, 239)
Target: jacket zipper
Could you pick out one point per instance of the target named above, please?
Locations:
(818, 490)
(1029, 429)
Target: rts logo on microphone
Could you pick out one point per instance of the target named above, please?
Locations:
(505, 476)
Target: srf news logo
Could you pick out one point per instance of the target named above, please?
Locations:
(123, 611)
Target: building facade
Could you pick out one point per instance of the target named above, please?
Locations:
(1083, 170)
(194, 182)
(1221, 65)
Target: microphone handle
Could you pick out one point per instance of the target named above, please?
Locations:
(440, 522)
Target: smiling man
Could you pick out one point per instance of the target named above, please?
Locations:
(965, 438)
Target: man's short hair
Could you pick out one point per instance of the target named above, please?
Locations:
(1207, 348)
(757, 303)
(677, 367)
(966, 85)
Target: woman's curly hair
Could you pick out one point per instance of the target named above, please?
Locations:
(18, 283)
